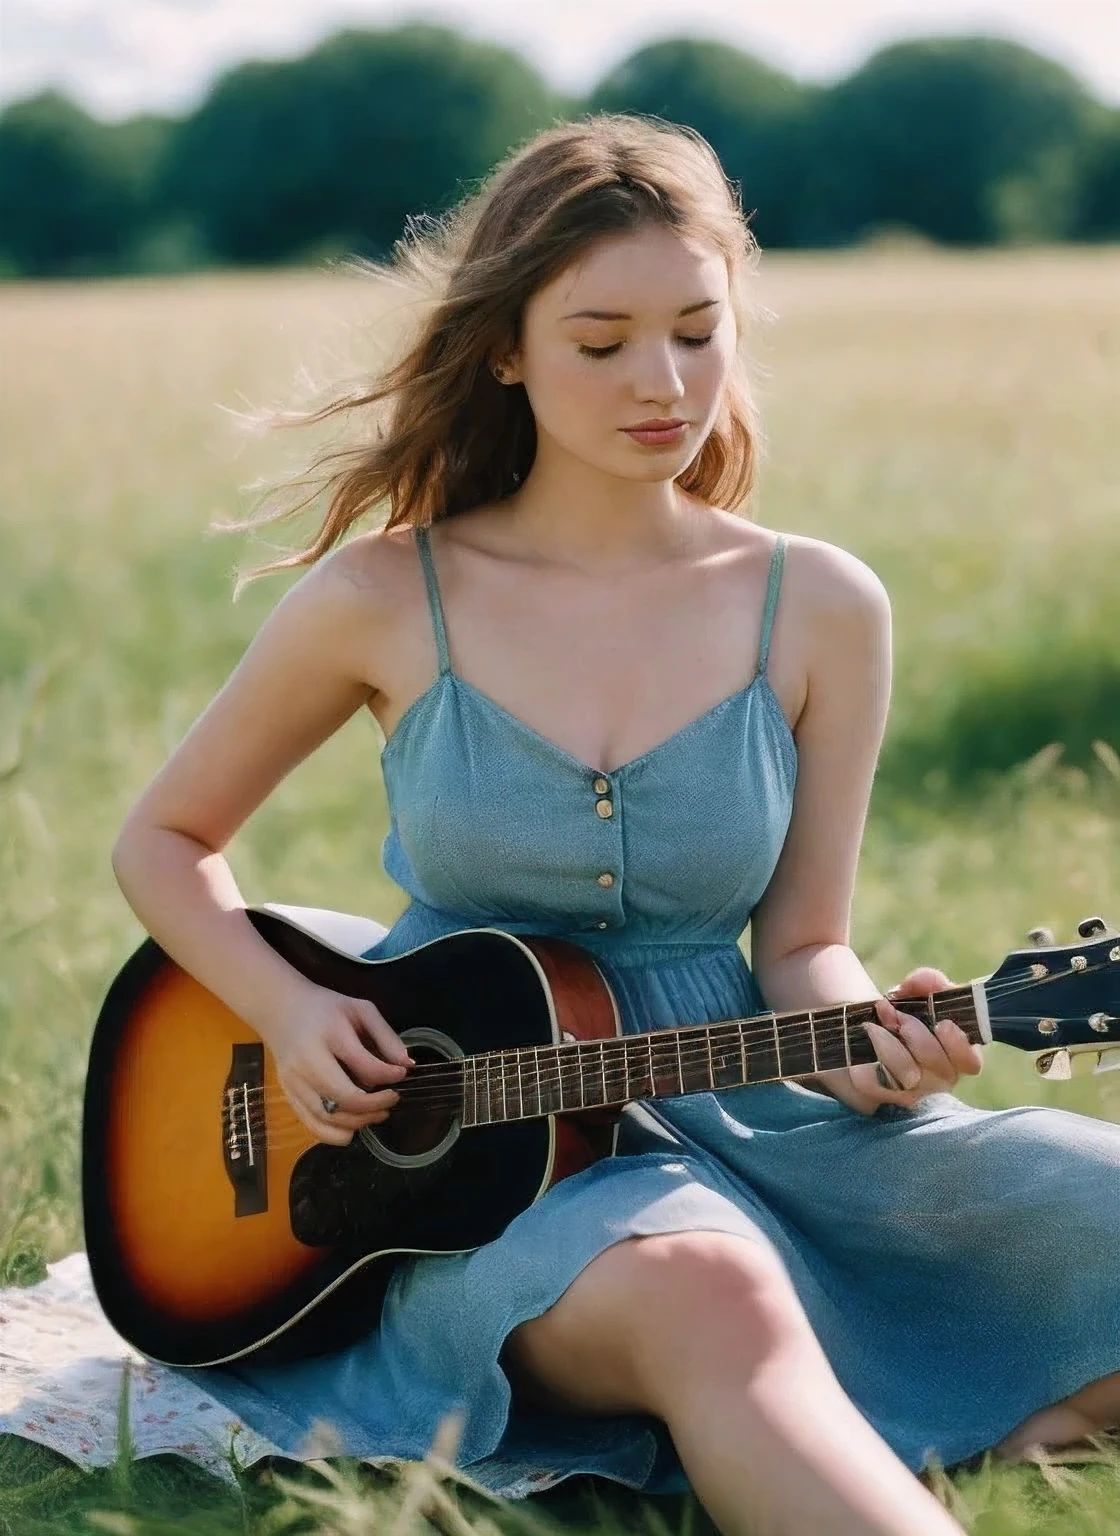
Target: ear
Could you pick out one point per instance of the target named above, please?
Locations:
(505, 369)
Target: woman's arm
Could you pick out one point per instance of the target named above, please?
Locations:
(800, 931)
(297, 683)
(300, 679)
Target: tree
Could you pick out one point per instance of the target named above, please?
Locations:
(1098, 196)
(348, 141)
(753, 116)
(967, 139)
(72, 189)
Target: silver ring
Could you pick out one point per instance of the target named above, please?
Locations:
(329, 1105)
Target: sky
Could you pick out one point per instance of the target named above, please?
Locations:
(119, 57)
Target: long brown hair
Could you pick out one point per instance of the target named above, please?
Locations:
(442, 434)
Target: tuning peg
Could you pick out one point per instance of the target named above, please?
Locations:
(1054, 1066)
(1040, 936)
(1089, 926)
(1104, 1064)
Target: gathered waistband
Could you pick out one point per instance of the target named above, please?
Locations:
(420, 920)
(652, 954)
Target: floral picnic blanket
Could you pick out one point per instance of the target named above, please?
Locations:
(69, 1381)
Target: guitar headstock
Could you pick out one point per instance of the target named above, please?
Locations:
(1060, 999)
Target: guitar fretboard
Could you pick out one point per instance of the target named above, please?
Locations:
(530, 1081)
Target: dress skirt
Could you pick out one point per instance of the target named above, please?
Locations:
(956, 1264)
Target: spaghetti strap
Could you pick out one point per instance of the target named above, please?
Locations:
(777, 560)
(424, 548)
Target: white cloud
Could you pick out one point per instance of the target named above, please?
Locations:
(122, 56)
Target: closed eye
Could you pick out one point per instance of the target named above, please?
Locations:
(685, 341)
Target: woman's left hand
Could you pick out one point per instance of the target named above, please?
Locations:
(922, 1060)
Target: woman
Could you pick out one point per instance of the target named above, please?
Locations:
(618, 712)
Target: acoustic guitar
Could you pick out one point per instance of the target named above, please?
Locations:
(217, 1226)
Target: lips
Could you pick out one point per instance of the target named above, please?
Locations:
(662, 431)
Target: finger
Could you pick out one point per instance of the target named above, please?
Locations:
(920, 982)
(322, 1126)
(965, 1056)
(384, 1037)
(865, 1080)
(895, 1056)
(327, 1078)
(371, 1071)
(927, 1048)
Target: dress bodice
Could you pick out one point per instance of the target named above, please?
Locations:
(496, 824)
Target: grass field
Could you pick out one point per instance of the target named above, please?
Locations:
(950, 419)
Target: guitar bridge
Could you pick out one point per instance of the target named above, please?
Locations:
(243, 1127)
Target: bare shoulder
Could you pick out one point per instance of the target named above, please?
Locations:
(364, 590)
(830, 584)
(818, 578)
(371, 569)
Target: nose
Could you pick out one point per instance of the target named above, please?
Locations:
(657, 379)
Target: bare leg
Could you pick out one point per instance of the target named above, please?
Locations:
(1089, 1412)
(705, 1331)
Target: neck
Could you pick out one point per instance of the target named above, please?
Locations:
(531, 1081)
(570, 513)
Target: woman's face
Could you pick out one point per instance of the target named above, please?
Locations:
(639, 329)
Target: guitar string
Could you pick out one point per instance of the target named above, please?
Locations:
(437, 1074)
(676, 1062)
(289, 1136)
(828, 1024)
(435, 1078)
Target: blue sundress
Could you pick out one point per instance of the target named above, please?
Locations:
(956, 1264)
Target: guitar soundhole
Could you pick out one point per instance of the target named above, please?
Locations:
(423, 1131)
(412, 1129)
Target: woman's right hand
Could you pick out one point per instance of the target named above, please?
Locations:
(317, 1035)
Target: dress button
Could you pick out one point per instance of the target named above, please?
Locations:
(600, 925)
(606, 879)
(604, 808)
(601, 785)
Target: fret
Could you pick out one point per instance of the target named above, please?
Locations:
(537, 1082)
(520, 1089)
(603, 1071)
(649, 1052)
(680, 1066)
(847, 1040)
(711, 1067)
(563, 1053)
(777, 1043)
(502, 1080)
(556, 1084)
(622, 1062)
(813, 1041)
(579, 1068)
(565, 1059)
(743, 1048)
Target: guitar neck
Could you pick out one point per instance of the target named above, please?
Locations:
(531, 1081)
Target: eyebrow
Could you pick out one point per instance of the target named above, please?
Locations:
(615, 314)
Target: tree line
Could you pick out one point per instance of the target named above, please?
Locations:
(967, 141)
